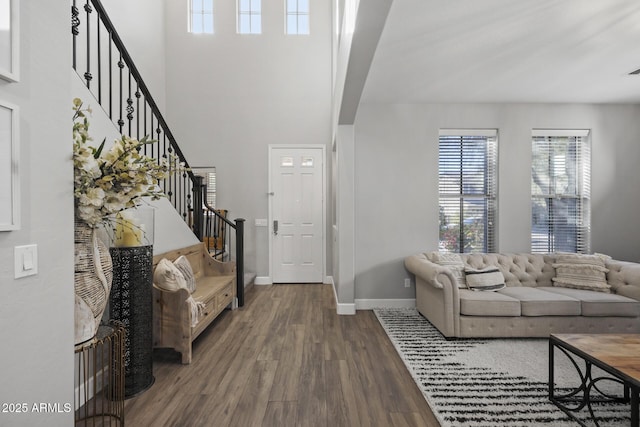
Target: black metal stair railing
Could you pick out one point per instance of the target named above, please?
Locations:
(102, 61)
(224, 239)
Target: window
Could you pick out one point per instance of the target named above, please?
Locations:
(249, 17)
(209, 175)
(201, 17)
(297, 18)
(467, 166)
(560, 191)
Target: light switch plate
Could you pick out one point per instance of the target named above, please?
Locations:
(25, 260)
(262, 222)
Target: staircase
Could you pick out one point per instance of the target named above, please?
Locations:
(107, 70)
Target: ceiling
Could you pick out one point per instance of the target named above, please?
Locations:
(461, 51)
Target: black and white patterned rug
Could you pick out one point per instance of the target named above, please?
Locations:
(487, 382)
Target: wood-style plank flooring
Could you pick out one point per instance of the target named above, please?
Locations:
(284, 359)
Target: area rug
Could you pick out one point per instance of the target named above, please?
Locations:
(488, 382)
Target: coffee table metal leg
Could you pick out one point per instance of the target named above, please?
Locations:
(551, 371)
(635, 422)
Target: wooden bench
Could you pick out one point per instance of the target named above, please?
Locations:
(215, 287)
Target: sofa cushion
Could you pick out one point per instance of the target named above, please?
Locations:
(486, 279)
(581, 272)
(601, 304)
(474, 303)
(537, 302)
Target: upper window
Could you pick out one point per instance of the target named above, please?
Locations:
(201, 16)
(560, 191)
(467, 167)
(249, 17)
(297, 19)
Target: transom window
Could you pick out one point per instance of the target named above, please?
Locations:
(467, 167)
(297, 17)
(249, 17)
(560, 191)
(201, 16)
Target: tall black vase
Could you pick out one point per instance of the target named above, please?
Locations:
(131, 302)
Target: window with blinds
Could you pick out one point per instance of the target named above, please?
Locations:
(560, 191)
(201, 17)
(209, 175)
(467, 182)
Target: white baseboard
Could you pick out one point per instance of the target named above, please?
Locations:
(369, 304)
(266, 280)
(262, 280)
(341, 308)
(84, 390)
(346, 309)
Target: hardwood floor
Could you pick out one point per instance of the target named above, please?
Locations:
(284, 359)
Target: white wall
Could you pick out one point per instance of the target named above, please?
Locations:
(396, 181)
(141, 25)
(36, 313)
(170, 230)
(229, 96)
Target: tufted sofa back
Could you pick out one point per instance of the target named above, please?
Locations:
(521, 269)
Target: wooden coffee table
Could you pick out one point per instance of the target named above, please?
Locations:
(616, 354)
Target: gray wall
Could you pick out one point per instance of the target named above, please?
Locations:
(396, 181)
(141, 25)
(229, 96)
(36, 313)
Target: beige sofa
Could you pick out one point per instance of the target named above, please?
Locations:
(532, 304)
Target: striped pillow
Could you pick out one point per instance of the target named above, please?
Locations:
(487, 279)
(581, 272)
(182, 264)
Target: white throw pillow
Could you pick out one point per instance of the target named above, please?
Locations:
(182, 263)
(167, 276)
(581, 272)
(488, 279)
(453, 262)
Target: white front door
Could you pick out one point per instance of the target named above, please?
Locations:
(297, 214)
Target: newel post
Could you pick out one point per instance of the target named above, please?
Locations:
(198, 212)
(240, 260)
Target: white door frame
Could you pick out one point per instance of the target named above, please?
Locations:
(324, 203)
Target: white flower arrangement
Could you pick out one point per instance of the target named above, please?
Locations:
(108, 182)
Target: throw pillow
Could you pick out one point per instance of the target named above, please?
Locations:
(486, 279)
(183, 264)
(453, 262)
(167, 276)
(581, 272)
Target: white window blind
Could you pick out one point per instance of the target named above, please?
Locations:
(467, 167)
(201, 16)
(297, 17)
(249, 17)
(560, 191)
(209, 175)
